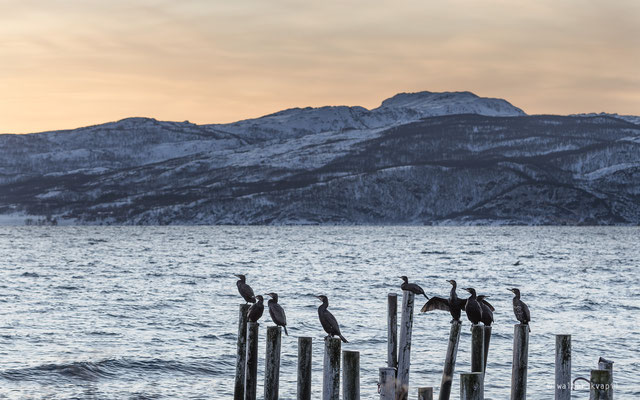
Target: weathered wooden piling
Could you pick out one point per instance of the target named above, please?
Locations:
(392, 330)
(251, 361)
(350, 375)
(272, 363)
(563, 367)
(425, 393)
(304, 367)
(472, 386)
(238, 390)
(520, 362)
(404, 350)
(487, 341)
(450, 361)
(387, 383)
(600, 389)
(331, 369)
(608, 365)
(477, 348)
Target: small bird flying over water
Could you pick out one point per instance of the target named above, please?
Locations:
(277, 312)
(487, 310)
(473, 307)
(412, 287)
(256, 310)
(245, 290)
(453, 304)
(328, 321)
(520, 309)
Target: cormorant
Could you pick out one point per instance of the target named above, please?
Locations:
(473, 307)
(487, 310)
(412, 287)
(245, 290)
(256, 310)
(328, 321)
(277, 312)
(520, 309)
(454, 304)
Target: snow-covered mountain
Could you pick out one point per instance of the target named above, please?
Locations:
(399, 109)
(419, 158)
(629, 118)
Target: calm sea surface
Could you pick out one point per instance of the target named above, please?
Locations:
(151, 312)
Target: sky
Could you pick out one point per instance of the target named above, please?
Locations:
(71, 63)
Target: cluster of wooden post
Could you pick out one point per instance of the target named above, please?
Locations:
(394, 379)
(601, 379)
(247, 365)
(471, 384)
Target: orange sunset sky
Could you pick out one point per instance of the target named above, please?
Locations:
(65, 64)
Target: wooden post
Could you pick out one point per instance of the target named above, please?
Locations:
(272, 363)
(471, 386)
(251, 361)
(387, 383)
(563, 367)
(425, 393)
(450, 361)
(600, 388)
(331, 369)
(608, 365)
(350, 375)
(404, 351)
(487, 341)
(304, 367)
(520, 362)
(238, 389)
(477, 348)
(392, 330)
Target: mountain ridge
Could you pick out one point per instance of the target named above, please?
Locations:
(393, 164)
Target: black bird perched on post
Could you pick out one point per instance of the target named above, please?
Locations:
(245, 290)
(328, 321)
(256, 310)
(473, 307)
(412, 287)
(454, 304)
(487, 310)
(277, 312)
(520, 309)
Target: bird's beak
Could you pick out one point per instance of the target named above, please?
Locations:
(511, 290)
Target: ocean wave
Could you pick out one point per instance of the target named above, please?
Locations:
(108, 369)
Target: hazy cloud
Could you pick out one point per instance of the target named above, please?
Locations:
(77, 62)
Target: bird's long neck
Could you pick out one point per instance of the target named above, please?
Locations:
(453, 294)
(473, 296)
(273, 300)
(323, 306)
(517, 296)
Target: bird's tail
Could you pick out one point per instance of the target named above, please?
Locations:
(343, 339)
(285, 330)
